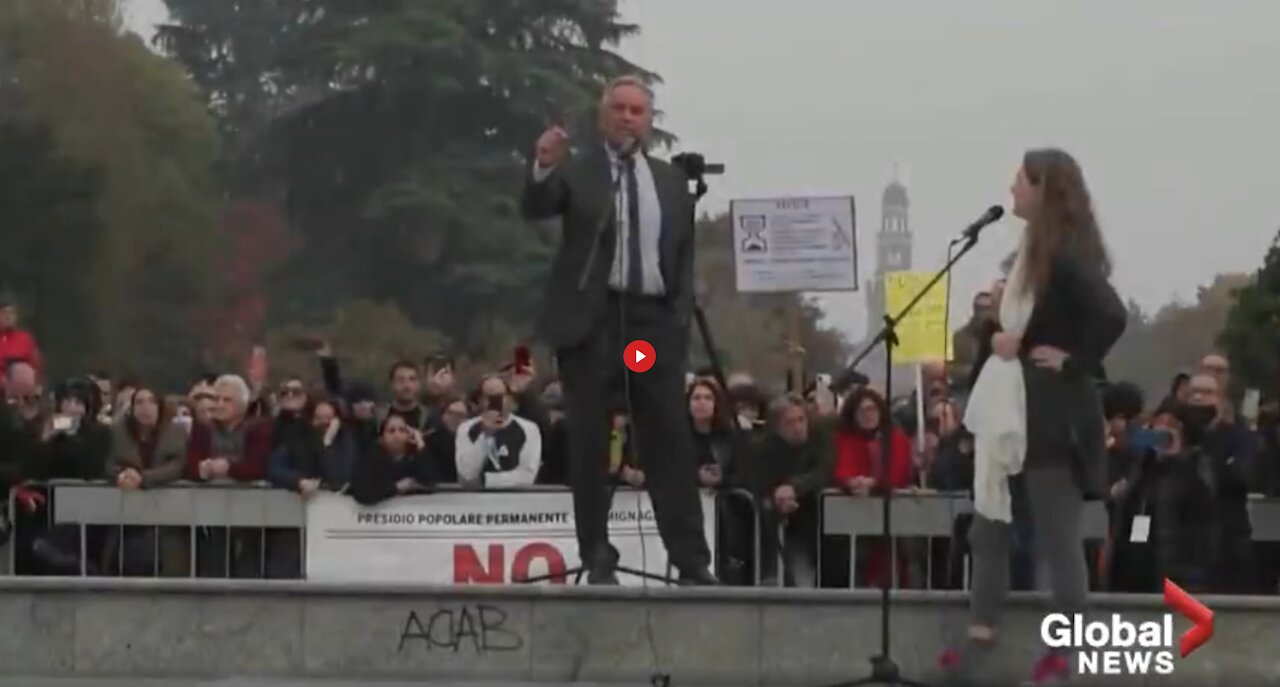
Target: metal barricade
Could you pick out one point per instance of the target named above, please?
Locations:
(736, 494)
(932, 514)
(255, 506)
(915, 513)
(192, 506)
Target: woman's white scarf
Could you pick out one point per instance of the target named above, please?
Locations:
(997, 412)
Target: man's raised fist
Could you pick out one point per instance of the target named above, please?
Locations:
(553, 145)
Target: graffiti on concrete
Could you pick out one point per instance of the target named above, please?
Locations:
(477, 628)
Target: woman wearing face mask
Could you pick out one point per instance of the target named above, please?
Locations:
(318, 453)
(294, 410)
(1035, 411)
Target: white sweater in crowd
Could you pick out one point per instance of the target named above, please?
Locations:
(509, 457)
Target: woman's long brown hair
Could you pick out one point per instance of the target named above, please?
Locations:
(1066, 221)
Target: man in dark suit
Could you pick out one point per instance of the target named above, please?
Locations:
(624, 272)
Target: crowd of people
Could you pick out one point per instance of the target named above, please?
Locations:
(1189, 488)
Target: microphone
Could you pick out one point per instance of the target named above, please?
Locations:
(630, 146)
(991, 216)
(848, 379)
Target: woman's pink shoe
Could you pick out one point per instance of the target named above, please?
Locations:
(1051, 668)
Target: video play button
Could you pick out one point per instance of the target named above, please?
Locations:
(639, 356)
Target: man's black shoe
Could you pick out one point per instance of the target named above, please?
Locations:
(603, 569)
(602, 578)
(698, 578)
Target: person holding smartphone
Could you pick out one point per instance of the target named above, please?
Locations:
(498, 449)
(78, 445)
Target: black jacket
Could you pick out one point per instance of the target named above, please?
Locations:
(1185, 530)
(376, 473)
(19, 441)
(1234, 454)
(1080, 313)
(303, 455)
(82, 455)
(807, 468)
(579, 193)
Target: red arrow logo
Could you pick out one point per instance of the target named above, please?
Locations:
(1201, 617)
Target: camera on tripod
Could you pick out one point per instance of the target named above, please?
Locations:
(695, 166)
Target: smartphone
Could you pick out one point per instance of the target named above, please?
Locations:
(1249, 408)
(307, 343)
(1151, 439)
(523, 359)
(62, 423)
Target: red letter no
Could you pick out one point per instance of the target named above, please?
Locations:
(467, 567)
(525, 557)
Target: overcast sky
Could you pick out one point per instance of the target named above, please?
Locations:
(1171, 106)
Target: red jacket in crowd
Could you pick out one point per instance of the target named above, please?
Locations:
(251, 467)
(856, 457)
(16, 344)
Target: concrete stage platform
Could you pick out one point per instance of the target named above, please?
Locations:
(282, 634)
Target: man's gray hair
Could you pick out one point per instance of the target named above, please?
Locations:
(237, 386)
(782, 404)
(631, 80)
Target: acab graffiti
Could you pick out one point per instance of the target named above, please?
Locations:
(479, 628)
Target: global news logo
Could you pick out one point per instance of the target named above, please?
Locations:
(1121, 647)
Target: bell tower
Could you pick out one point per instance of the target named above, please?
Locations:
(893, 247)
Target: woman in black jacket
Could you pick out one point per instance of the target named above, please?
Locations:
(1066, 317)
(395, 465)
(316, 453)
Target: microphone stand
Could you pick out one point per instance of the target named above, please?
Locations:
(695, 168)
(884, 670)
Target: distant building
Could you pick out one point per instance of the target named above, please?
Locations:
(893, 250)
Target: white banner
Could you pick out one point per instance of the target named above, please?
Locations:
(795, 244)
(474, 537)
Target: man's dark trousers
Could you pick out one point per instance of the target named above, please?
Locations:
(595, 382)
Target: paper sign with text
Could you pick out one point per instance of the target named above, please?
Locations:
(922, 334)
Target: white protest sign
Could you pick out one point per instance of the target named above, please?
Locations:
(474, 537)
(795, 244)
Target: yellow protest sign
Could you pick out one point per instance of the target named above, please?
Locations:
(922, 334)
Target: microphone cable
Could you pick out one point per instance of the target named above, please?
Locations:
(658, 678)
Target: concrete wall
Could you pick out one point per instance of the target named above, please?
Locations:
(55, 627)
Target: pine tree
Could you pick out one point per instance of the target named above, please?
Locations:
(1251, 338)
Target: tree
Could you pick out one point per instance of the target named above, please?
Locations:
(48, 204)
(1155, 348)
(368, 338)
(1251, 337)
(396, 134)
(110, 105)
